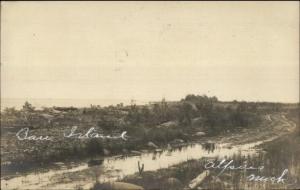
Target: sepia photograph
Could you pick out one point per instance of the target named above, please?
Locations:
(150, 95)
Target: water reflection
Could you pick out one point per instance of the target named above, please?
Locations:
(210, 147)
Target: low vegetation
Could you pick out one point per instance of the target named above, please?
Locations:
(160, 123)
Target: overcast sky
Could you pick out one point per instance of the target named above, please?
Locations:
(150, 50)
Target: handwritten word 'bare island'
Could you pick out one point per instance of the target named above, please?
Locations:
(24, 134)
(91, 133)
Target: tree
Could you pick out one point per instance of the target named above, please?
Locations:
(27, 107)
(186, 111)
(133, 113)
(10, 111)
(242, 106)
(146, 114)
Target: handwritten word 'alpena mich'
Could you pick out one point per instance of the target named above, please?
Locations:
(224, 165)
(229, 165)
(24, 134)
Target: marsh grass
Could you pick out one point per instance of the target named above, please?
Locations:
(276, 156)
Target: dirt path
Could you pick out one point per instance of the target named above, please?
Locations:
(273, 126)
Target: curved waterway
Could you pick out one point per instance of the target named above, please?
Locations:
(115, 168)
